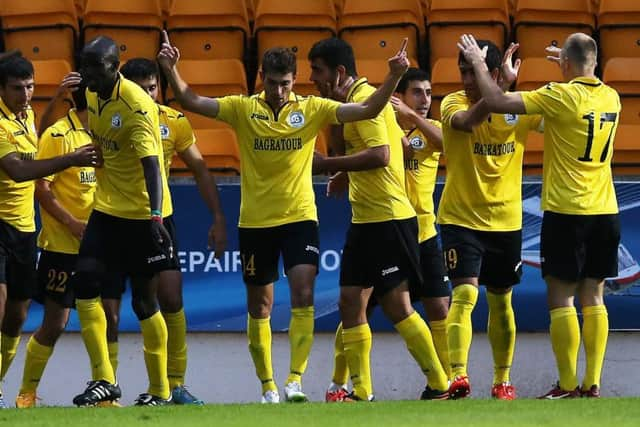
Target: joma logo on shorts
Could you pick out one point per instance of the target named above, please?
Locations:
(156, 258)
(310, 248)
(390, 270)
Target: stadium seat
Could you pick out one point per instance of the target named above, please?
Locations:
(134, 25)
(626, 154)
(48, 75)
(209, 29)
(537, 72)
(321, 142)
(303, 84)
(541, 23)
(533, 153)
(80, 4)
(619, 28)
(41, 29)
(375, 28)
(445, 79)
(448, 19)
(375, 70)
(165, 5)
(219, 148)
(294, 24)
(623, 74)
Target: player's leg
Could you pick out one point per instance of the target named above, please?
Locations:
(111, 306)
(259, 253)
(300, 255)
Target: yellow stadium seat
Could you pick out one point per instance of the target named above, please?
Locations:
(537, 72)
(623, 74)
(165, 5)
(321, 142)
(375, 70)
(445, 79)
(209, 29)
(542, 23)
(303, 84)
(448, 19)
(294, 24)
(533, 153)
(134, 25)
(626, 154)
(619, 28)
(48, 76)
(219, 148)
(80, 4)
(41, 29)
(375, 28)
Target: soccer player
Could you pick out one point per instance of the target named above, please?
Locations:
(18, 169)
(480, 217)
(177, 137)
(277, 130)
(580, 226)
(124, 233)
(381, 254)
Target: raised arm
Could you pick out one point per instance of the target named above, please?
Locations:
(372, 106)
(431, 132)
(466, 120)
(69, 83)
(189, 100)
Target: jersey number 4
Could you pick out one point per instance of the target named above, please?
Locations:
(604, 118)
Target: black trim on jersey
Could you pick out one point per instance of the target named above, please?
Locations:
(363, 81)
(587, 84)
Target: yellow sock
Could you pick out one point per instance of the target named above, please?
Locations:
(357, 349)
(300, 340)
(154, 337)
(595, 331)
(34, 364)
(501, 329)
(93, 327)
(340, 368)
(439, 334)
(176, 347)
(565, 341)
(459, 328)
(259, 335)
(8, 348)
(417, 337)
(113, 356)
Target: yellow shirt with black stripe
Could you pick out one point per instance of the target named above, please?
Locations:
(581, 118)
(74, 188)
(276, 152)
(421, 173)
(379, 194)
(483, 188)
(126, 127)
(16, 198)
(176, 133)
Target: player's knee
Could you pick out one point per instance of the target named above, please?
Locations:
(144, 307)
(86, 285)
(302, 297)
(170, 303)
(49, 332)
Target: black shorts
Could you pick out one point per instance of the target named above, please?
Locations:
(18, 256)
(494, 257)
(382, 255)
(56, 280)
(575, 247)
(435, 283)
(260, 250)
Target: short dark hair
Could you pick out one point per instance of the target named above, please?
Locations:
(334, 51)
(411, 75)
(494, 57)
(13, 64)
(581, 49)
(279, 60)
(140, 68)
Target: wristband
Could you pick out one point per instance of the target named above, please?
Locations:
(156, 212)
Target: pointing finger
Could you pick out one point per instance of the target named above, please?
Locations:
(403, 46)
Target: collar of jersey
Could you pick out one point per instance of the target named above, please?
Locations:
(115, 93)
(292, 96)
(74, 120)
(6, 112)
(591, 81)
(355, 86)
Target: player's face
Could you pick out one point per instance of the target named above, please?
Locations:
(98, 75)
(322, 76)
(469, 83)
(418, 96)
(277, 87)
(17, 93)
(150, 85)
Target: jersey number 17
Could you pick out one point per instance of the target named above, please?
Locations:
(604, 118)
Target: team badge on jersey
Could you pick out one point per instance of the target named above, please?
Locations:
(417, 143)
(511, 119)
(296, 119)
(116, 121)
(164, 131)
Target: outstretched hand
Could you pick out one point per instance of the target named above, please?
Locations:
(70, 83)
(553, 54)
(339, 90)
(470, 49)
(399, 63)
(169, 55)
(509, 70)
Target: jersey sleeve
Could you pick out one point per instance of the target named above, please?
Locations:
(183, 132)
(51, 144)
(145, 130)
(549, 100)
(449, 107)
(327, 109)
(374, 131)
(229, 107)
(6, 147)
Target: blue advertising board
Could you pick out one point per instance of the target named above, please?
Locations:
(214, 295)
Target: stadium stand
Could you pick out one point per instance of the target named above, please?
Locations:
(619, 29)
(219, 148)
(445, 79)
(537, 72)
(623, 74)
(48, 75)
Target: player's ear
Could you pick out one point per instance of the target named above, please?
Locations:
(342, 72)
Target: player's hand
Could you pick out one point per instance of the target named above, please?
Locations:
(87, 155)
(169, 55)
(399, 63)
(401, 109)
(160, 238)
(338, 185)
(338, 90)
(77, 228)
(470, 49)
(217, 239)
(553, 54)
(70, 83)
(509, 69)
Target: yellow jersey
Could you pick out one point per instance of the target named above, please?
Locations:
(421, 173)
(581, 118)
(16, 198)
(126, 127)
(176, 133)
(483, 188)
(276, 155)
(379, 194)
(74, 188)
